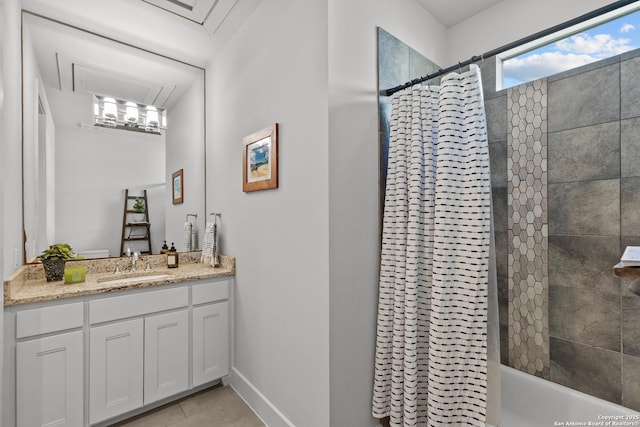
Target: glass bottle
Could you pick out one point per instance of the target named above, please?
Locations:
(172, 257)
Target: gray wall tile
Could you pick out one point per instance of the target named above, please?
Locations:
(630, 147)
(584, 262)
(590, 152)
(630, 54)
(498, 160)
(630, 88)
(502, 254)
(585, 99)
(631, 325)
(419, 66)
(504, 344)
(630, 206)
(503, 299)
(585, 316)
(496, 111)
(585, 208)
(588, 369)
(393, 60)
(631, 382)
(500, 211)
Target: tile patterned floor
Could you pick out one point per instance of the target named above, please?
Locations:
(218, 406)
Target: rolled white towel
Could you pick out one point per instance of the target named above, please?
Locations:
(194, 237)
(216, 260)
(207, 245)
(186, 247)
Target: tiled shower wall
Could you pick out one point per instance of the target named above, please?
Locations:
(527, 228)
(578, 206)
(588, 185)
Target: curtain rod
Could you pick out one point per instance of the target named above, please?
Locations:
(477, 58)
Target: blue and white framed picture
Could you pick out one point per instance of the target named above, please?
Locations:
(177, 187)
(260, 160)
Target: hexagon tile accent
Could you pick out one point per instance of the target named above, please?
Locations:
(528, 228)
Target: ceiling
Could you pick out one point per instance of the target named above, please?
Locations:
(199, 29)
(452, 12)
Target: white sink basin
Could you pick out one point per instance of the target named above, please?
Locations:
(118, 280)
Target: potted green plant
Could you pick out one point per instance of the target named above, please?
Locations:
(53, 259)
(138, 210)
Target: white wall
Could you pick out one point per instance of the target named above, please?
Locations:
(10, 155)
(11, 144)
(353, 165)
(2, 134)
(275, 70)
(185, 150)
(38, 156)
(93, 168)
(509, 21)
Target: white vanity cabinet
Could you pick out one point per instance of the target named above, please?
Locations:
(115, 369)
(138, 361)
(102, 358)
(210, 333)
(49, 366)
(166, 355)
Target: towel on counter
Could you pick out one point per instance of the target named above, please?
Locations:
(216, 259)
(210, 232)
(194, 237)
(186, 247)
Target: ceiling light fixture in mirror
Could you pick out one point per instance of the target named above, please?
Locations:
(109, 112)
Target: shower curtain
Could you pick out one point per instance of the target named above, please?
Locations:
(431, 366)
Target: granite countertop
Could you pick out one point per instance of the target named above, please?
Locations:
(28, 284)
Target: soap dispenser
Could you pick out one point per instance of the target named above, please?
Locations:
(172, 257)
(165, 248)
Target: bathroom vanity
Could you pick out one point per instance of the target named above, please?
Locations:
(119, 344)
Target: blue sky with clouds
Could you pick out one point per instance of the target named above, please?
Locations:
(603, 41)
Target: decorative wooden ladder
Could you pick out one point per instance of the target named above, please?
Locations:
(131, 228)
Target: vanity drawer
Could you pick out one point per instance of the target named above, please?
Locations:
(121, 307)
(210, 292)
(49, 319)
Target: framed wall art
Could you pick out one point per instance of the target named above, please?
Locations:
(260, 160)
(177, 186)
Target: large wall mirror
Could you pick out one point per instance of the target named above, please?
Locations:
(75, 173)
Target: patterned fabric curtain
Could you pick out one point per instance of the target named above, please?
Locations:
(431, 347)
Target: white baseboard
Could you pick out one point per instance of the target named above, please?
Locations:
(266, 410)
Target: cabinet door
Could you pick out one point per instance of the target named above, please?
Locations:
(210, 342)
(166, 355)
(115, 371)
(50, 381)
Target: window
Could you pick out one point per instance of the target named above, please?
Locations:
(115, 113)
(608, 35)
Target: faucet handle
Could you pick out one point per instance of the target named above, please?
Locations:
(148, 267)
(117, 270)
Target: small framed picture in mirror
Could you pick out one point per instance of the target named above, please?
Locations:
(177, 185)
(260, 160)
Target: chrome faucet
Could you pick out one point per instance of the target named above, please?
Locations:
(134, 258)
